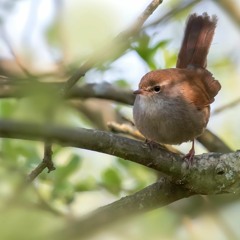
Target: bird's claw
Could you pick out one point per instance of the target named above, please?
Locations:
(189, 157)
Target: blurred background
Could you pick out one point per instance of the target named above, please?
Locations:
(47, 40)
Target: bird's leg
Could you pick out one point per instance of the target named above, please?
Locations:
(190, 156)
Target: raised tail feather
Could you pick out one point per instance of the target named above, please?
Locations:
(197, 40)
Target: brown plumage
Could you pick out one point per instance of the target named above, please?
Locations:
(173, 105)
(197, 40)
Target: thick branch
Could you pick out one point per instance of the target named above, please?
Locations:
(210, 173)
(154, 196)
(213, 143)
(106, 91)
(12, 89)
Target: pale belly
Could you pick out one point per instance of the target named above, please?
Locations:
(167, 122)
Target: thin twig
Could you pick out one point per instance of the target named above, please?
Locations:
(131, 131)
(135, 28)
(6, 39)
(182, 6)
(227, 106)
(46, 163)
(48, 156)
(126, 129)
(121, 40)
(230, 7)
(30, 23)
(36, 171)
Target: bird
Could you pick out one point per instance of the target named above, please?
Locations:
(172, 105)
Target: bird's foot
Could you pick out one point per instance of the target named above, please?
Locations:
(189, 157)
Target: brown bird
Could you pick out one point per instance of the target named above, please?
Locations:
(172, 106)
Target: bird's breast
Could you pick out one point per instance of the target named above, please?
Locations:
(168, 121)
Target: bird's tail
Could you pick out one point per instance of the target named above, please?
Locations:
(197, 40)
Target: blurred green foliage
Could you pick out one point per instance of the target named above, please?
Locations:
(148, 51)
(81, 182)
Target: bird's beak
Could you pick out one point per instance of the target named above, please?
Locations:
(139, 91)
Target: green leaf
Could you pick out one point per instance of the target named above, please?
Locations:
(112, 180)
(161, 44)
(147, 51)
(64, 191)
(53, 34)
(141, 176)
(7, 107)
(63, 172)
(87, 184)
(122, 83)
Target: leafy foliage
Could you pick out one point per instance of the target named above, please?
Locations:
(147, 50)
(81, 183)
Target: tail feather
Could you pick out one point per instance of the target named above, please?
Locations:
(197, 40)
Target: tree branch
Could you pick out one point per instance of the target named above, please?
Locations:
(154, 196)
(106, 91)
(12, 89)
(46, 163)
(5, 38)
(177, 9)
(213, 143)
(227, 106)
(135, 28)
(230, 7)
(131, 131)
(125, 129)
(210, 173)
(103, 91)
(120, 41)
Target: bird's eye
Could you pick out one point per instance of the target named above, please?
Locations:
(157, 89)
